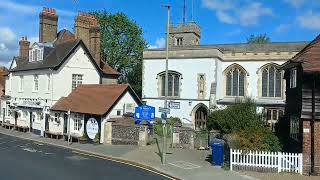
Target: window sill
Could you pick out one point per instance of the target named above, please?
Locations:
(35, 91)
(48, 92)
(20, 91)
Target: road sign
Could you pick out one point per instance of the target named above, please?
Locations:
(163, 115)
(144, 113)
(174, 105)
(164, 110)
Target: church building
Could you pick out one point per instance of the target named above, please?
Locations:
(203, 78)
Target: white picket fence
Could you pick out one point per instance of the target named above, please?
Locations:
(283, 162)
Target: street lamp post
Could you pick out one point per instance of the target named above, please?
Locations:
(164, 149)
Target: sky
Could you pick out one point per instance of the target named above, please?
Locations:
(221, 21)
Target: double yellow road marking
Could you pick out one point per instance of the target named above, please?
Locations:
(126, 163)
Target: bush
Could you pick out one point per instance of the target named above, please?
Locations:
(242, 121)
(235, 117)
(157, 127)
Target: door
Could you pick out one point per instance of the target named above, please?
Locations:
(65, 124)
(31, 120)
(46, 122)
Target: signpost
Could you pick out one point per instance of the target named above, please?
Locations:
(144, 113)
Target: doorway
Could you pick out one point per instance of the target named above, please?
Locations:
(200, 117)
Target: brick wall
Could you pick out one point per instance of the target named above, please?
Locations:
(48, 25)
(306, 147)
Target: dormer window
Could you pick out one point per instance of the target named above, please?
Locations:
(36, 53)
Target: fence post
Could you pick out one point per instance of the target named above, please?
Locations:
(231, 159)
(279, 161)
(300, 163)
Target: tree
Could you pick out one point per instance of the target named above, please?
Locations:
(258, 39)
(122, 46)
(246, 127)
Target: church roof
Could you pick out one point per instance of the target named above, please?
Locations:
(245, 47)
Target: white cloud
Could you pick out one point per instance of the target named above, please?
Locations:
(310, 20)
(246, 13)
(295, 3)
(226, 18)
(219, 4)
(282, 28)
(234, 32)
(160, 43)
(251, 14)
(8, 45)
(28, 9)
(6, 34)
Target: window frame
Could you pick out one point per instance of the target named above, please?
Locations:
(35, 83)
(175, 88)
(76, 81)
(48, 83)
(293, 78)
(21, 83)
(77, 121)
(268, 82)
(240, 71)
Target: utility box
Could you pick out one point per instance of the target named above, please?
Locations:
(217, 147)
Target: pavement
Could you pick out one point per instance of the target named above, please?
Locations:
(181, 163)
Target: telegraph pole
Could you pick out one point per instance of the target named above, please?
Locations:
(164, 148)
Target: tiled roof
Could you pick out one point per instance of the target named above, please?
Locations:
(108, 69)
(309, 57)
(97, 99)
(52, 59)
(246, 47)
(56, 55)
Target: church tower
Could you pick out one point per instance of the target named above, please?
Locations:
(184, 34)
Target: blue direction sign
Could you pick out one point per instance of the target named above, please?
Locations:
(144, 113)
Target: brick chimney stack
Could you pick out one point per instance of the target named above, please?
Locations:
(24, 48)
(48, 25)
(86, 28)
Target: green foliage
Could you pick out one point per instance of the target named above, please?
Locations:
(158, 126)
(242, 121)
(84, 137)
(122, 46)
(96, 137)
(242, 114)
(258, 39)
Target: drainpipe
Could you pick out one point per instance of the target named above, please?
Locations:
(312, 172)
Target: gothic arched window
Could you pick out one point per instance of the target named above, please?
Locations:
(235, 81)
(271, 82)
(173, 83)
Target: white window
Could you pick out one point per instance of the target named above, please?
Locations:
(173, 83)
(36, 54)
(128, 108)
(294, 127)
(271, 82)
(35, 83)
(235, 81)
(20, 83)
(48, 82)
(77, 119)
(76, 80)
(293, 78)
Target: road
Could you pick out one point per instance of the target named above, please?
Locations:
(28, 160)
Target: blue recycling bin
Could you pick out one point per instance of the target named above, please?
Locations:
(217, 147)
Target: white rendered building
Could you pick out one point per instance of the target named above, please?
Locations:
(206, 77)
